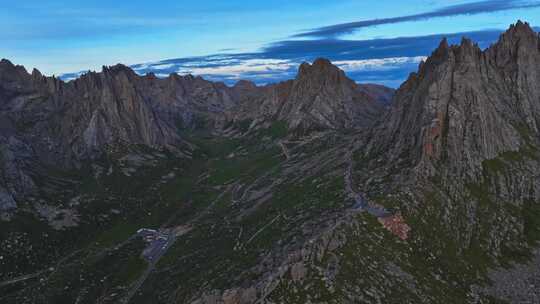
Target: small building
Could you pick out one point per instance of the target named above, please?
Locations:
(148, 235)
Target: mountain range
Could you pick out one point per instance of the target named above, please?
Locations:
(313, 190)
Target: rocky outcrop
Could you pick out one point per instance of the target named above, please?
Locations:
(377, 92)
(64, 123)
(459, 143)
(16, 164)
(75, 120)
(7, 202)
(320, 97)
(323, 97)
(466, 105)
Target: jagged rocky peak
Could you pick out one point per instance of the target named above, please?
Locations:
(9, 71)
(123, 72)
(466, 105)
(107, 73)
(190, 81)
(519, 34)
(118, 68)
(36, 73)
(321, 70)
(466, 50)
(520, 37)
(520, 46)
(323, 97)
(245, 84)
(151, 75)
(5, 64)
(245, 91)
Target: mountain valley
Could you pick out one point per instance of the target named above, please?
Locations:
(312, 190)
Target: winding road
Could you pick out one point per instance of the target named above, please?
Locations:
(156, 254)
(361, 203)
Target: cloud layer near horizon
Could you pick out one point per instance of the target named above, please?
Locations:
(383, 61)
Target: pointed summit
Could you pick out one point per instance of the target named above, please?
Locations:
(452, 92)
(5, 62)
(322, 62)
(36, 73)
(521, 26)
(517, 46)
(244, 84)
(6, 65)
(323, 97)
(118, 68)
(466, 41)
(319, 65)
(321, 71)
(441, 50)
(518, 33)
(303, 69)
(11, 71)
(443, 45)
(439, 55)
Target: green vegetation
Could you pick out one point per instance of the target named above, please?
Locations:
(223, 244)
(531, 215)
(313, 291)
(131, 270)
(493, 165)
(230, 236)
(118, 233)
(225, 170)
(243, 125)
(277, 129)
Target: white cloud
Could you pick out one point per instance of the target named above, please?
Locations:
(376, 64)
(245, 66)
(163, 66)
(162, 75)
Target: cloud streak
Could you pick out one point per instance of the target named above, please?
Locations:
(341, 49)
(472, 8)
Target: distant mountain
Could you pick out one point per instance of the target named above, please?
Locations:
(320, 97)
(312, 190)
(64, 123)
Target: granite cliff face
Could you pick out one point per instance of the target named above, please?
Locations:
(64, 124)
(320, 97)
(67, 122)
(464, 110)
(77, 119)
(466, 105)
(49, 123)
(458, 150)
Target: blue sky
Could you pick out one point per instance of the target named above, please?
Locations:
(264, 41)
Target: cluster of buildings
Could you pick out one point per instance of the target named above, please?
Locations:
(156, 242)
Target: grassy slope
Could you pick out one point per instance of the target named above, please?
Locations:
(209, 257)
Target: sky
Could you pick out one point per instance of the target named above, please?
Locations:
(263, 41)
